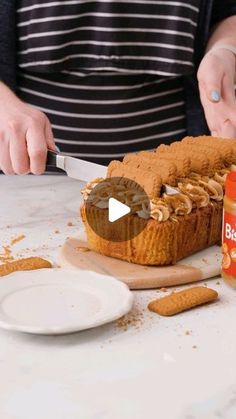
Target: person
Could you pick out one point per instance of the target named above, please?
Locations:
(103, 78)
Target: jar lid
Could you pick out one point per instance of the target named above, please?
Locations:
(230, 185)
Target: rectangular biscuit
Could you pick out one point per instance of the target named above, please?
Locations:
(180, 301)
(225, 147)
(199, 160)
(166, 169)
(183, 163)
(27, 264)
(148, 180)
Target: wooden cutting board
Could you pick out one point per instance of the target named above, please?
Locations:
(202, 265)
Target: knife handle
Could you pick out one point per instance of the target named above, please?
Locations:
(51, 159)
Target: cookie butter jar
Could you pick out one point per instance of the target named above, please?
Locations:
(229, 231)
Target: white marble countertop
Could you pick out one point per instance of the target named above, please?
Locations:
(168, 368)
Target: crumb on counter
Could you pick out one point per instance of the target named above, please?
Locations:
(133, 319)
(17, 239)
(70, 224)
(6, 256)
(57, 232)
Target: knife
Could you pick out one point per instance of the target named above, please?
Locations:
(169, 190)
(76, 168)
(86, 171)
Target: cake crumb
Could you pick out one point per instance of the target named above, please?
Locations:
(194, 346)
(57, 232)
(188, 332)
(83, 249)
(17, 239)
(6, 256)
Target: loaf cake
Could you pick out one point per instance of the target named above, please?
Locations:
(177, 225)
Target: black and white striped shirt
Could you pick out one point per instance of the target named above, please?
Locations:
(107, 73)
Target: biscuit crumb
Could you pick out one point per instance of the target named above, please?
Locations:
(188, 332)
(70, 224)
(218, 283)
(194, 346)
(17, 239)
(163, 289)
(132, 319)
(6, 256)
(83, 249)
(57, 232)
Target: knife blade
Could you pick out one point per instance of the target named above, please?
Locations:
(87, 171)
(76, 168)
(169, 190)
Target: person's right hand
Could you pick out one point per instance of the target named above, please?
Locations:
(25, 136)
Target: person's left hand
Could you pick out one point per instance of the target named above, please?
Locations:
(216, 78)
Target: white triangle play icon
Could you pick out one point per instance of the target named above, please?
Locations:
(116, 210)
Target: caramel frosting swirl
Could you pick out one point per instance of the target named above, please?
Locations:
(180, 204)
(199, 197)
(220, 178)
(213, 188)
(158, 210)
(195, 191)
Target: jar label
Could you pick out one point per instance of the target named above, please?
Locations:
(229, 244)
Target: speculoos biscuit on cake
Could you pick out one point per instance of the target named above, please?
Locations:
(176, 226)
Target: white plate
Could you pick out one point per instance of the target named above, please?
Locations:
(59, 301)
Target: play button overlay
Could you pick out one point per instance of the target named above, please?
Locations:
(117, 209)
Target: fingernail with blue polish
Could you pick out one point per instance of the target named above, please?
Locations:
(215, 95)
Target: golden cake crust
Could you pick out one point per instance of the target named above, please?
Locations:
(159, 243)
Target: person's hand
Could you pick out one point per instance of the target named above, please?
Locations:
(216, 78)
(25, 136)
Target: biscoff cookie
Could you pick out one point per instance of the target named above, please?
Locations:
(225, 147)
(180, 301)
(27, 264)
(215, 156)
(199, 159)
(166, 169)
(182, 163)
(148, 180)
